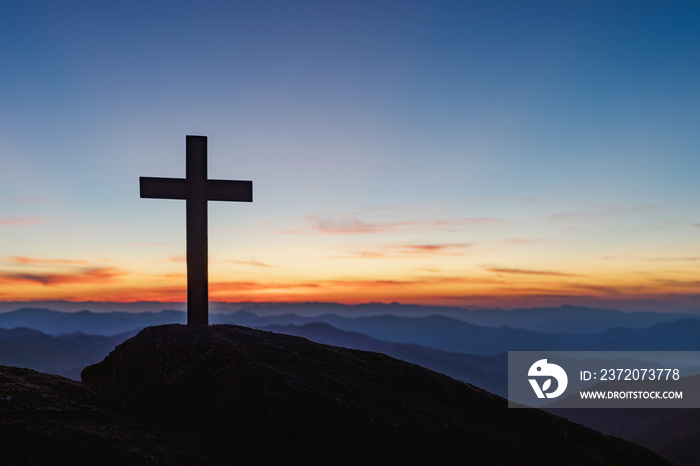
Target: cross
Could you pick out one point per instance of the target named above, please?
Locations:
(196, 190)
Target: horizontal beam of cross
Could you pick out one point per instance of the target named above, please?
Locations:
(176, 188)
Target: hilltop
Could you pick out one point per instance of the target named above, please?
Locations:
(232, 395)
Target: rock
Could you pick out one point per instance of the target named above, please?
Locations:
(247, 396)
(48, 420)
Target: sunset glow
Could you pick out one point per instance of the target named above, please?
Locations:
(448, 153)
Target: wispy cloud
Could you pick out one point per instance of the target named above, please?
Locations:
(362, 284)
(172, 276)
(597, 289)
(261, 286)
(21, 220)
(406, 250)
(353, 225)
(84, 276)
(252, 262)
(451, 248)
(679, 283)
(599, 212)
(36, 261)
(675, 259)
(518, 271)
(517, 241)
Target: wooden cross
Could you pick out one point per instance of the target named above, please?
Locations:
(196, 190)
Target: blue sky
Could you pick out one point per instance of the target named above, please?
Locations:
(392, 145)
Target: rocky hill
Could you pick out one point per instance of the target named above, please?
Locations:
(232, 395)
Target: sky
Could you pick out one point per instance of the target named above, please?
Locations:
(459, 153)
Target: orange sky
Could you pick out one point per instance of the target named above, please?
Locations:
(459, 153)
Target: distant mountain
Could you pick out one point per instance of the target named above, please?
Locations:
(487, 372)
(64, 355)
(569, 319)
(681, 335)
(88, 322)
(456, 336)
(563, 319)
(438, 332)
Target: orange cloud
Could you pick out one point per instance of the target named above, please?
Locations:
(350, 224)
(32, 260)
(85, 276)
(260, 286)
(250, 262)
(172, 276)
(679, 283)
(527, 272)
(521, 241)
(675, 259)
(453, 249)
(404, 250)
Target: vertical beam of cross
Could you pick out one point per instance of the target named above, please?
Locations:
(197, 231)
(196, 190)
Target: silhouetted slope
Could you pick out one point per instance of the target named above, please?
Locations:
(50, 420)
(674, 433)
(265, 398)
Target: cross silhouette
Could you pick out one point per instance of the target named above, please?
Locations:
(196, 190)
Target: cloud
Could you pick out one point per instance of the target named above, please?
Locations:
(252, 262)
(365, 284)
(521, 241)
(21, 220)
(352, 224)
(599, 212)
(178, 258)
(679, 283)
(407, 250)
(598, 289)
(172, 276)
(454, 249)
(86, 275)
(675, 259)
(506, 270)
(32, 260)
(345, 284)
(260, 286)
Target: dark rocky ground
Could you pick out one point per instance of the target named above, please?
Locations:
(232, 395)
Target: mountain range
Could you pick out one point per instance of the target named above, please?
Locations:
(567, 319)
